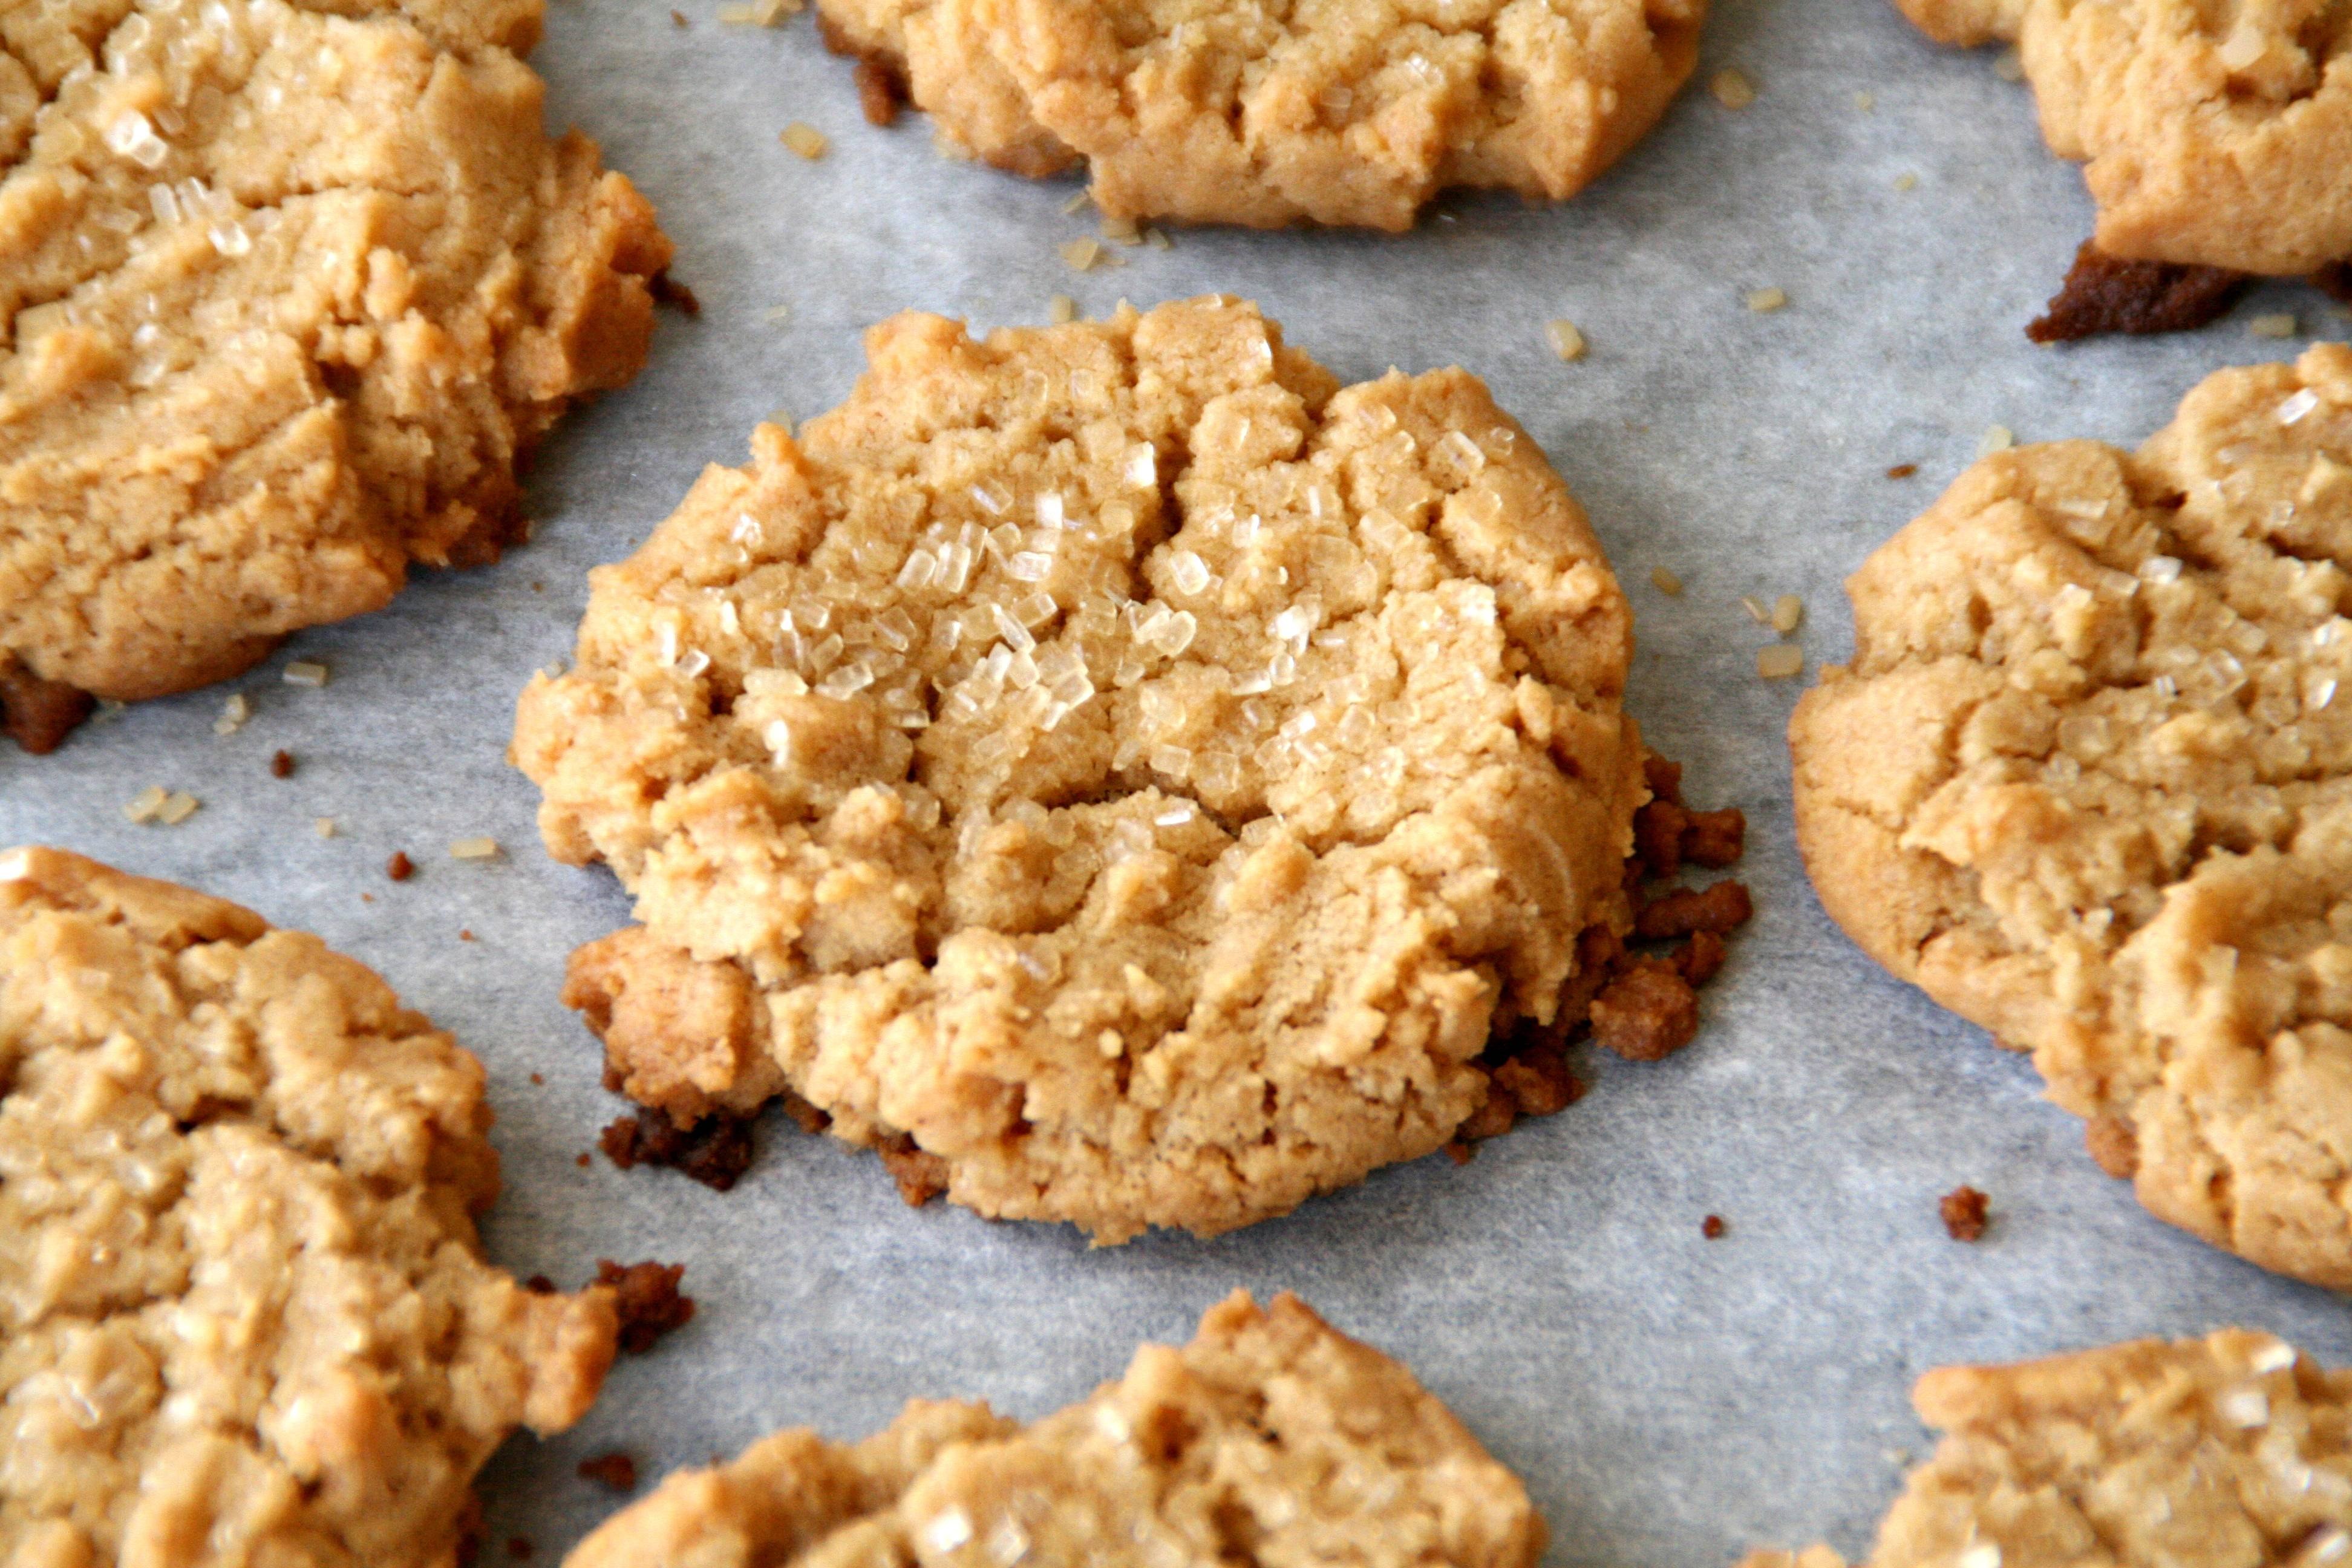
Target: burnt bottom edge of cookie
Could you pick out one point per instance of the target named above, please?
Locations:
(2104, 294)
(35, 713)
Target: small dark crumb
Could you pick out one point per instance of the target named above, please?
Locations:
(539, 1284)
(1712, 1227)
(582, 1160)
(881, 91)
(1539, 1081)
(1902, 470)
(465, 933)
(2334, 279)
(367, 897)
(2115, 1144)
(669, 291)
(1697, 959)
(616, 1470)
(921, 1176)
(471, 1530)
(518, 1547)
(1722, 908)
(1646, 1013)
(1966, 1212)
(539, 587)
(2102, 294)
(281, 764)
(715, 1151)
(38, 714)
(1665, 778)
(677, 19)
(1461, 1152)
(400, 867)
(537, 1077)
(649, 1300)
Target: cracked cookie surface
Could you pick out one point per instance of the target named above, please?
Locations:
(1111, 756)
(2230, 1448)
(2212, 135)
(1273, 111)
(244, 1317)
(1270, 1439)
(286, 290)
(2088, 782)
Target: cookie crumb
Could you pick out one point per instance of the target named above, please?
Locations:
(715, 1151)
(1907, 181)
(921, 1176)
(1081, 255)
(1966, 1212)
(1788, 613)
(1157, 239)
(677, 19)
(1779, 661)
(143, 807)
(1996, 438)
(1764, 300)
(2113, 1144)
(582, 1160)
(177, 807)
(1757, 609)
(1665, 581)
(617, 1471)
(2102, 294)
(805, 139)
(1902, 470)
(1719, 908)
(465, 933)
(647, 1298)
(1565, 340)
(2280, 325)
(304, 672)
(324, 826)
(881, 92)
(234, 713)
(281, 764)
(473, 850)
(1646, 1013)
(1712, 1227)
(38, 714)
(1061, 310)
(665, 291)
(1865, 102)
(539, 1078)
(400, 867)
(1731, 88)
(1120, 230)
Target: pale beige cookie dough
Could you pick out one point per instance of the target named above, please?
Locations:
(2225, 1450)
(2088, 782)
(2213, 136)
(1271, 1439)
(1112, 757)
(1267, 112)
(244, 1318)
(286, 290)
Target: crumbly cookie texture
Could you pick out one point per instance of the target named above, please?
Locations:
(1266, 112)
(1271, 1439)
(2211, 135)
(286, 290)
(2228, 1449)
(1110, 756)
(244, 1318)
(2088, 782)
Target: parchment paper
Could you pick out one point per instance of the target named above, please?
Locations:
(1670, 1401)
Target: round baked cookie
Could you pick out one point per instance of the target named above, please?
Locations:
(286, 290)
(2230, 1448)
(2088, 782)
(1333, 111)
(2209, 135)
(1270, 1439)
(244, 1318)
(1110, 756)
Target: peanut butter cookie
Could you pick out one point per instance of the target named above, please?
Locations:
(2226, 1449)
(1107, 765)
(243, 1315)
(2088, 782)
(2211, 136)
(1334, 111)
(286, 290)
(1270, 1439)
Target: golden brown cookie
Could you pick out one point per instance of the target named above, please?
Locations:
(1270, 1439)
(1336, 111)
(2228, 1449)
(2088, 782)
(2211, 135)
(244, 1318)
(287, 291)
(1111, 760)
